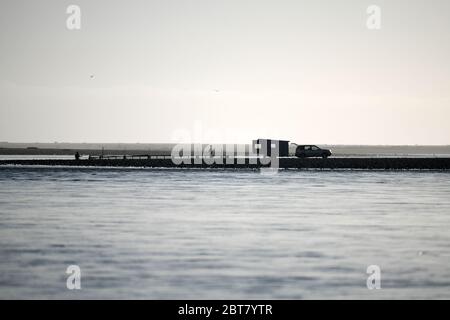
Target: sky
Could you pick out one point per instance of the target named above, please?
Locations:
(225, 71)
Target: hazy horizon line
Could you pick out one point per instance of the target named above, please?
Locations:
(217, 143)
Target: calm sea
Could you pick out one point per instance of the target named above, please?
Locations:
(192, 234)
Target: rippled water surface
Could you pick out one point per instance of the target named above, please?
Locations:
(191, 234)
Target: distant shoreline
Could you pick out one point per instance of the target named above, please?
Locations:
(95, 149)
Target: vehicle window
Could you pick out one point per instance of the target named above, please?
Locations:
(314, 148)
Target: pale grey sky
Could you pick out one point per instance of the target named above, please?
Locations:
(225, 71)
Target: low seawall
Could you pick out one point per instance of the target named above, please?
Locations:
(284, 163)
